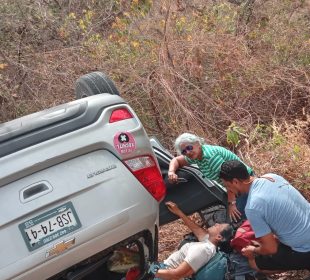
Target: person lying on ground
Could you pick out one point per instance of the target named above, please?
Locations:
(192, 256)
(279, 216)
(193, 150)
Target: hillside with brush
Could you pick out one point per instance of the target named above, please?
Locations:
(235, 72)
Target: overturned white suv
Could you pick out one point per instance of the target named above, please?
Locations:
(79, 183)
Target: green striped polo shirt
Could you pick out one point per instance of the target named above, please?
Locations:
(212, 159)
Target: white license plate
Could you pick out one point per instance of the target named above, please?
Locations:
(49, 226)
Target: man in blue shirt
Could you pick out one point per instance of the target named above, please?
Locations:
(279, 215)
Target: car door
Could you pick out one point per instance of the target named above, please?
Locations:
(192, 193)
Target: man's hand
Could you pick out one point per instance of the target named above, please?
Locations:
(172, 177)
(249, 251)
(233, 212)
(173, 208)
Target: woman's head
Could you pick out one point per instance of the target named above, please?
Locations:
(222, 234)
(187, 142)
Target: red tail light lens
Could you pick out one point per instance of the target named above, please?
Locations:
(119, 115)
(145, 170)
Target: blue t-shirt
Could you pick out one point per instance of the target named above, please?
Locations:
(277, 207)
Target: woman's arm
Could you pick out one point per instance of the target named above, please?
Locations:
(174, 165)
(199, 232)
(183, 270)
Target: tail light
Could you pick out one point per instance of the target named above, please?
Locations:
(119, 115)
(146, 171)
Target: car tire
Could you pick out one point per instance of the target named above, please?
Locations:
(94, 83)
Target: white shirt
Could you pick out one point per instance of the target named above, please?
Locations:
(196, 254)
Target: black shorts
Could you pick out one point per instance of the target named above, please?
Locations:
(284, 259)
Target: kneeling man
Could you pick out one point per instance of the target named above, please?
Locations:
(279, 216)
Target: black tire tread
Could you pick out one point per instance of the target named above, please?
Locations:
(94, 83)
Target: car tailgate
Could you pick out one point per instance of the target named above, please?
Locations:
(72, 165)
(104, 194)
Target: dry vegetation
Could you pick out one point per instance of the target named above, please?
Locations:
(236, 72)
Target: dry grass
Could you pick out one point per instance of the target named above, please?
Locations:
(284, 151)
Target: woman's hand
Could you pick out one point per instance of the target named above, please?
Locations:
(173, 208)
(233, 212)
(172, 177)
(174, 165)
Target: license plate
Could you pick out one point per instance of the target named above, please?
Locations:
(49, 226)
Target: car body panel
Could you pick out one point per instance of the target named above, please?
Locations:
(81, 166)
(57, 149)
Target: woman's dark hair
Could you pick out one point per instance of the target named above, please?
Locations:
(233, 169)
(227, 234)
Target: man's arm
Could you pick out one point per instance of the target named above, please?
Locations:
(267, 242)
(183, 270)
(266, 245)
(174, 165)
(233, 211)
(215, 164)
(199, 232)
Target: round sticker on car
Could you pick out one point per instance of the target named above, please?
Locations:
(124, 143)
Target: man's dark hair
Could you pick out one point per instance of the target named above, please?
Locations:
(234, 169)
(227, 234)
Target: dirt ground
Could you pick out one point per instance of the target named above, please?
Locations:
(171, 234)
